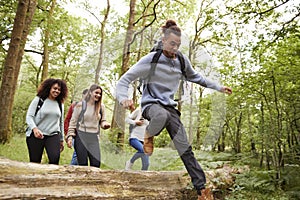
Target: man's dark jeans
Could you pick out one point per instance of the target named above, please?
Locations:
(161, 117)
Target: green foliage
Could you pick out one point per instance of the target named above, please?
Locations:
(20, 110)
(259, 180)
(290, 183)
(163, 139)
(259, 183)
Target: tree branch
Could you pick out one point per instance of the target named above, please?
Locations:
(33, 51)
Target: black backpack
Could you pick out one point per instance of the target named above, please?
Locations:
(158, 49)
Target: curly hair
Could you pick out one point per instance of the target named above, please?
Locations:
(45, 87)
(97, 103)
(171, 27)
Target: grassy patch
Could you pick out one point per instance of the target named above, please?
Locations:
(16, 149)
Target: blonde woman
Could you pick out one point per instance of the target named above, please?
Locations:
(87, 118)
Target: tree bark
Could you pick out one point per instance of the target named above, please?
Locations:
(31, 10)
(23, 18)
(180, 93)
(118, 121)
(21, 180)
(237, 146)
(139, 55)
(190, 130)
(45, 61)
(102, 31)
(198, 134)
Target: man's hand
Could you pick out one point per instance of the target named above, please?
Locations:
(128, 104)
(226, 90)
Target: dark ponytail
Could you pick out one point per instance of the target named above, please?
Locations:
(171, 27)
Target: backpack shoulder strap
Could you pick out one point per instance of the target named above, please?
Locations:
(154, 63)
(83, 109)
(152, 69)
(182, 63)
(60, 106)
(155, 60)
(40, 104)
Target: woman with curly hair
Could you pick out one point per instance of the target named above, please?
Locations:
(45, 121)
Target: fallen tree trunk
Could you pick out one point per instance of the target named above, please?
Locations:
(20, 180)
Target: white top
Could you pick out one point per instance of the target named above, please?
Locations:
(137, 131)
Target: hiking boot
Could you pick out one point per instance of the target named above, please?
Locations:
(148, 144)
(128, 165)
(206, 194)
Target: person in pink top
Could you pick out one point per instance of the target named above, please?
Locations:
(67, 122)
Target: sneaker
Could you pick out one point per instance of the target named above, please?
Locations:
(206, 194)
(148, 144)
(128, 165)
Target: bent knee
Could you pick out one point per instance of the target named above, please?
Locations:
(162, 116)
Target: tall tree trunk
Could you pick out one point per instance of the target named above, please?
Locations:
(253, 147)
(221, 141)
(279, 155)
(264, 149)
(102, 31)
(118, 121)
(198, 134)
(139, 55)
(45, 61)
(180, 93)
(190, 131)
(23, 18)
(238, 133)
(31, 10)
